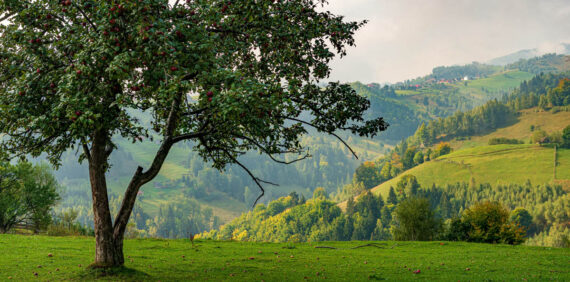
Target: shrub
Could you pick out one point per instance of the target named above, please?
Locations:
(488, 222)
(456, 230)
(539, 136)
(523, 219)
(442, 148)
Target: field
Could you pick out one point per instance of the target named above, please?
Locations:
(504, 81)
(26, 258)
(498, 164)
(480, 89)
(546, 121)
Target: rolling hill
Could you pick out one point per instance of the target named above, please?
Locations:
(228, 194)
(475, 161)
(331, 167)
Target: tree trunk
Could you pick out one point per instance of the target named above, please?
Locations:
(108, 236)
(108, 253)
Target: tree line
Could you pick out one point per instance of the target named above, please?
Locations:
(538, 213)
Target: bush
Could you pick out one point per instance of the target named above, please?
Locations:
(502, 140)
(442, 148)
(415, 221)
(456, 230)
(539, 136)
(523, 219)
(486, 222)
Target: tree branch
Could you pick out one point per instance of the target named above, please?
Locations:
(195, 112)
(188, 136)
(86, 17)
(86, 151)
(256, 179)
(140, 178)
(268, 153)
(323, 130)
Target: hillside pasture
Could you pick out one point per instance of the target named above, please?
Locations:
(498, 164)
(489, 87)
(547, 121)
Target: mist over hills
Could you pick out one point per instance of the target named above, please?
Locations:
(563, 49)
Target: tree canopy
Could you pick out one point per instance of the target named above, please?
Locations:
(229, 75)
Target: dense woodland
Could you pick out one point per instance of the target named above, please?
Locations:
(331, 165)
(371, 217)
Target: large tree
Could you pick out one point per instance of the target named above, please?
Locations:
(229, 76)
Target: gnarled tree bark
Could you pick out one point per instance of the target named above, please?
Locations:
(108, 236)
(105, 250)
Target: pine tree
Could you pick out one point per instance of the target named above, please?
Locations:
(392, 198)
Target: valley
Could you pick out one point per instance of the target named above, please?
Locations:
(163, 140)
(404, 106)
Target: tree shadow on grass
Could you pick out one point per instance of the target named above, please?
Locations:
(115, 273)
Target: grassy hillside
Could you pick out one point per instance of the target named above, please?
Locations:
(474, 159)
(484, 88)
(547, 121)
(26, 258)
(499, 164)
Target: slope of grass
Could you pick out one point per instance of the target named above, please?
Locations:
(547, 121)
(481, 88)
(499, 164)
(563, 165)
(26, 258)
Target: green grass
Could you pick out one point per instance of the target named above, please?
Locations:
(546, 121)
(498, 164)
(480, 89)
(499, 82)
(563, 167)
(177, 260)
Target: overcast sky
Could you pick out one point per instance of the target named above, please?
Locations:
(407, 38)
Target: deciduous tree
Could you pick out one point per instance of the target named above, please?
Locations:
(229, 76)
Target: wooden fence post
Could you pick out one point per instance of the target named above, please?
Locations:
(555, 160)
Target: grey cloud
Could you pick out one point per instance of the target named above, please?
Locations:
(406, 39)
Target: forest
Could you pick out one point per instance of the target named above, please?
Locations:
(540, 211)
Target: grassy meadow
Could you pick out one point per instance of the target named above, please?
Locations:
(502, 81)
(547, 121)
(498, 164)
(479, 89)
(168, 260)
